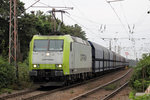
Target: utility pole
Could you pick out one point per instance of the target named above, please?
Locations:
(119, 49)
(13, 34)
(109, 39)
(110, 44)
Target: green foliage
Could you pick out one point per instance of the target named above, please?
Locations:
(138, 85)
(4, 8)
(144, 97)
(111, 86)
(74, 30)
(6, 90)
(8, 80)
(7, 74)
(133, 97)
(24, 80)
(4, 24)
(141, 77)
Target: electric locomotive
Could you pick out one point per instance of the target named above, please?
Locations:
(64, 59)
(59, 58)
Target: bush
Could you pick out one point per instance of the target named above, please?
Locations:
(23, 69)
(8, 80)
(141, 77)
(7, 74)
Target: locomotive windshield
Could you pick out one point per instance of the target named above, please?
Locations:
(40, 45)
(56, 45)
(48, 45)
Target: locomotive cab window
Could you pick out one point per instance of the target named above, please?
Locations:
(56, 45)
(40, 45)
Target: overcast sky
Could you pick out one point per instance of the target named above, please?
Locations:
(100, 19)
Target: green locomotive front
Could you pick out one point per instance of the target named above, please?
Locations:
(61, 58)
(49, 57)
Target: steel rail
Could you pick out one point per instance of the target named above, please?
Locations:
(63, 88)
(16, 94)
(115, 91)
(30, 91)
(99, 87)
(51, 91)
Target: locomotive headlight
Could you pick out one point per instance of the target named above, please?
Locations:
(47, 54)
(60, 65)
(34, 66)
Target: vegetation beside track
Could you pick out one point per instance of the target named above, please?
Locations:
(144, 97)
(141, 78)
(8, 80)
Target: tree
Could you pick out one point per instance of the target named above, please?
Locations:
(4, 23)
(74, 31)
(141, 78)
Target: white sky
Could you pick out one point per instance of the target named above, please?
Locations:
(91, 14)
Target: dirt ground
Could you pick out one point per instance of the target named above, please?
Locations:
(70, 93)
(123, 94)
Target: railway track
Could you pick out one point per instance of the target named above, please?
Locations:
(27, 95)
(115, 91)
(106, 96)
(16, 94)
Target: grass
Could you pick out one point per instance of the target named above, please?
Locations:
(6, 90)
(111, 86)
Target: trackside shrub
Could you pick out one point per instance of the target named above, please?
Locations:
(24, 80)
(8, 80)
(141, 77)
(7, 74)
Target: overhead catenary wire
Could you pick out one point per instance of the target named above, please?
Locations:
(121, 21)
(81, 12)
(32, 4)
(80, 24)
(48, 6)
(118, 17)
(93, 22)
(91, 31)
(89, 20)
(124, 15)
(87, 28)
